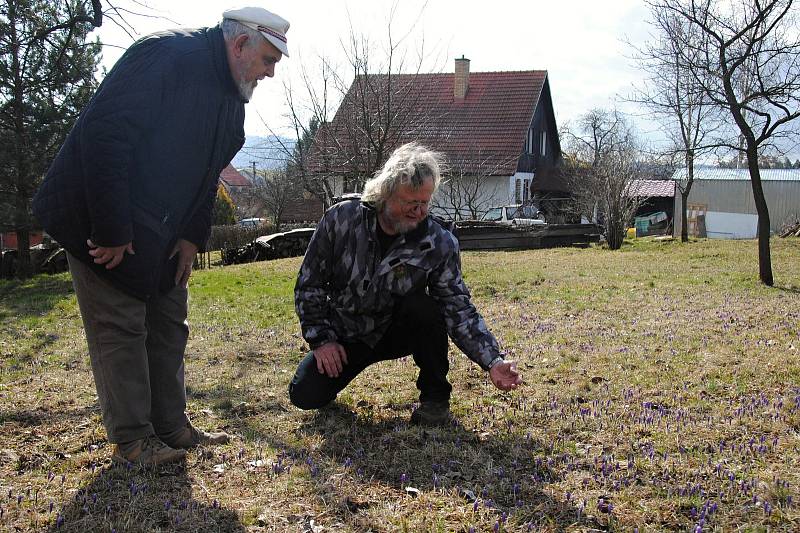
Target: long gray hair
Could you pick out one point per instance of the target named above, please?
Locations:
(411, 164)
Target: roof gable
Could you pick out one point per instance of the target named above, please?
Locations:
(485, 131)
(233, 178)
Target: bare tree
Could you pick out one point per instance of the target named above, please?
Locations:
(468, 190)
(674, 96)
(748, 63)
(310, 112)
(272, 191)
(374, 96)
(602, 166)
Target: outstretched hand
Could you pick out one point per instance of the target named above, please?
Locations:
(504, 375)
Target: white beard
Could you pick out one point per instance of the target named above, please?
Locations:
(246, 89)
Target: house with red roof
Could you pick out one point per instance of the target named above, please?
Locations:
(233, 180)
(243, 186)
(496, 129)
(239, 188)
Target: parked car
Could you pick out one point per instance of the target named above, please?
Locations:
(515, 215)
(251, 222)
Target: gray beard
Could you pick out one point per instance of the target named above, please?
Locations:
(399, 226)
(246, 89)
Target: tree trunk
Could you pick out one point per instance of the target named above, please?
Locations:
(23, 253)
(764, 260)
(684, 216)
(685, 197)
(615, 234)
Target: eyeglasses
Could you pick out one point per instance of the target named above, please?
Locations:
(413, 205)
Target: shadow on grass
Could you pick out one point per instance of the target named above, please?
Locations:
(46, 416)
(134, 499)
(789, 288)
(33, 297)
(495, 480)
(499, 477)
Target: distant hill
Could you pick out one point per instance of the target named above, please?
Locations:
(265, 151)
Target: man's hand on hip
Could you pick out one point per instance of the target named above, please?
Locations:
(504, 375)
(186, 252)
(110, 256)
(331, 358)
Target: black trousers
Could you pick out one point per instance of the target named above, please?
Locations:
(417, 328)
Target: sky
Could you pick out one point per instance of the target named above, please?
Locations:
(581, 43)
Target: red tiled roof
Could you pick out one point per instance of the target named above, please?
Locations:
(233, 178)
(485, 131)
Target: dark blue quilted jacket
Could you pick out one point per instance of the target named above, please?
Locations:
(142, 162)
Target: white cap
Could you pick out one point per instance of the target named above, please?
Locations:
(270, 25)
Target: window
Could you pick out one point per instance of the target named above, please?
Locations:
(529, 142)
(526, 186)
(544, 143)
(518, 192)
(495, 213)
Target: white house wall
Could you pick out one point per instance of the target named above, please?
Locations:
(721, 225)
(492, 191)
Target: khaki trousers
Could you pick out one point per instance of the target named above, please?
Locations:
(136, 350)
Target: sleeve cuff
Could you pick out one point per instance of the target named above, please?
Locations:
(493, 362)
(319, 341)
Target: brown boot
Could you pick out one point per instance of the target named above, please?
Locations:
(148, 451)
(189, 436)
(432, 414)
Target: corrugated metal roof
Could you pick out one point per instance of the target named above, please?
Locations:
(739, 174)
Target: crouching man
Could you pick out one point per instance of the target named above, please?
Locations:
(381, 280)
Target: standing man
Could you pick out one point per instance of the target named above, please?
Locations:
(130, 196)
(381, 280)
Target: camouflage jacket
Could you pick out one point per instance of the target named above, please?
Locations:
(345, 291)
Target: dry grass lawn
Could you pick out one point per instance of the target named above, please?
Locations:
(662, 392)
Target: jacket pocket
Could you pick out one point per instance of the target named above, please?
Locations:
(153, 237)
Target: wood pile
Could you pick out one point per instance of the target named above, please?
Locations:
(791, 229)
(276, 246)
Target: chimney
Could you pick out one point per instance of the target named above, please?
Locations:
(461, 84)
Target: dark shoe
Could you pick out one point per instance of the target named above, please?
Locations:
(189, 436)
(432, 414)
(148, 451)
